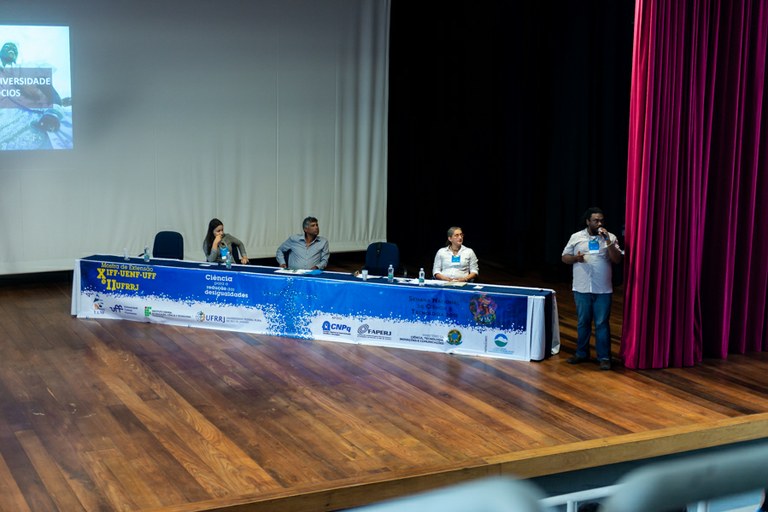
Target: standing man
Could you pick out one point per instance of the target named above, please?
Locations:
(308, 251)
(592, 251)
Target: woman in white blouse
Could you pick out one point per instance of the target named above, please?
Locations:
(455, 261)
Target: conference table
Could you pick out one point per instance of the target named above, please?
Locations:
(474, 318)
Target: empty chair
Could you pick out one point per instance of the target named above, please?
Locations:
(379, 256)
(168, 244)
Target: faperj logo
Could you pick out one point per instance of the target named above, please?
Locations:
(501, 340)
(366, 329)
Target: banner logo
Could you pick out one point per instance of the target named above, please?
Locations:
(501, 340)
(365, 331)
(483, 309)
(336, 329)
(202, 317)
(454, 337)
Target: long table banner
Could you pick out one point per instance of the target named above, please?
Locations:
(310, 307)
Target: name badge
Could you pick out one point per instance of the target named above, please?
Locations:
(594, 245)
(456, 259)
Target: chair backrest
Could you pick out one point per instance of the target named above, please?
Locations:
(671, 485)
(497, 494)
(379, 256)
(168, 244)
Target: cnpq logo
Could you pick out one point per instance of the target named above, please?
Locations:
(336, 329)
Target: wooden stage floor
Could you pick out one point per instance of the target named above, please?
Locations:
(115, 415)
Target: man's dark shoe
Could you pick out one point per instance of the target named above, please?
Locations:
(577, 360)
(605, 364)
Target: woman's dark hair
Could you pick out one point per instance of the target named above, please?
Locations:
(209, 236)
(451, 231)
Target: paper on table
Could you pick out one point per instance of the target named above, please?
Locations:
(458, 284)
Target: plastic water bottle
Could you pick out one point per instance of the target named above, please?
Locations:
(146, 253)
(125, 254)
(224, 253)
(390, 274)
(421, 277)
(229, 260)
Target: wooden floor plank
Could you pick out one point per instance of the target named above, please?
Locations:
(12, 497)
(58, 486)
(37, 496)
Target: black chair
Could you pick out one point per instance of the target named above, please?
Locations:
(286, 255)
(168, 244)
(379, 256)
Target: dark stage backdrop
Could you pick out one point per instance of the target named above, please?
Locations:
(508, 119)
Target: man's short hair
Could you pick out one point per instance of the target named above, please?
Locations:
(307, 222)
(591, 211)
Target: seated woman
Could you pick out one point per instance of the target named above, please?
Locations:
(216, 239)
(455, 262)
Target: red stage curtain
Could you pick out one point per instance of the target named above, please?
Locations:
(696, 266)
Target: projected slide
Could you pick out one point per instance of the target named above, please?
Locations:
(35, 88)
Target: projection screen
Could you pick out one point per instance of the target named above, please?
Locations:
(258, 113)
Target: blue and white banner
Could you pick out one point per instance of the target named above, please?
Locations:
(325, 307)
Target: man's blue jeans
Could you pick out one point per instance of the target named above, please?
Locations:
(597, 307)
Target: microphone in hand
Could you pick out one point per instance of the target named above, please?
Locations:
(603, 233)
